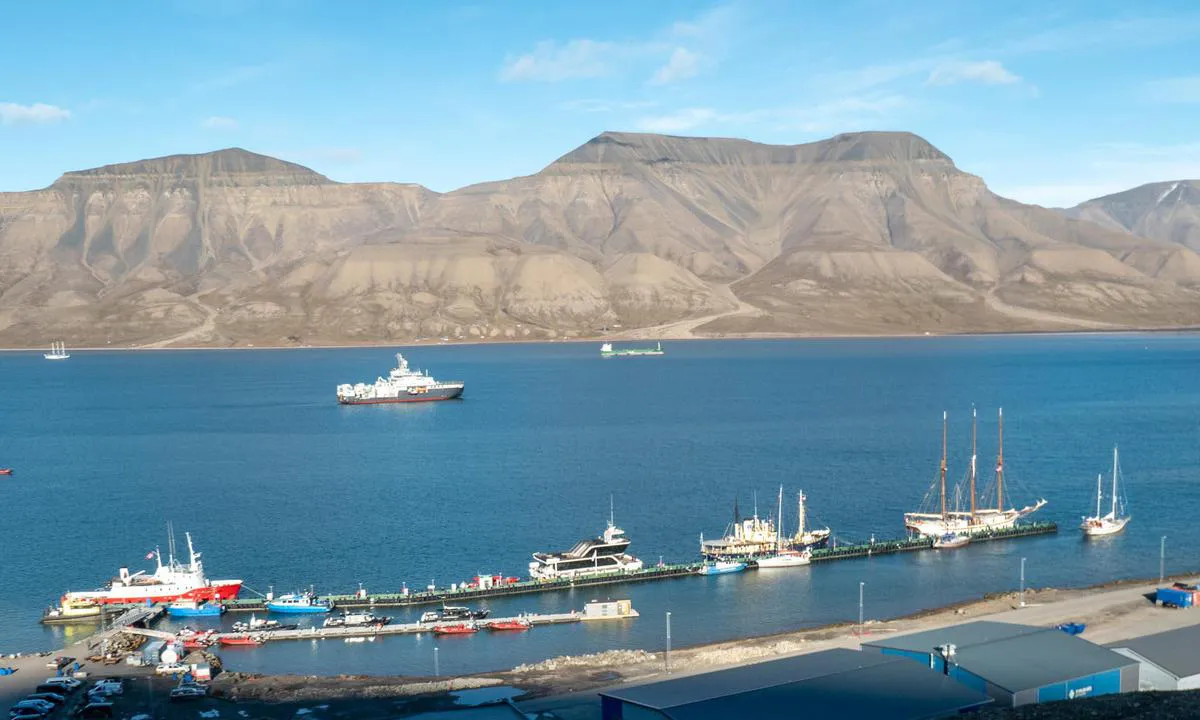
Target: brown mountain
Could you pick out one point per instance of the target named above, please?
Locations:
(861, 233)
(1167, 211)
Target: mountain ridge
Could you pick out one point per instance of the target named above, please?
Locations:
(860, 233)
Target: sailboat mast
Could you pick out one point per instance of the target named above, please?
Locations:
(779, 528)
(800, 508)
(943, 464)
(1000, 467)
(973, 424)
(1114, 492)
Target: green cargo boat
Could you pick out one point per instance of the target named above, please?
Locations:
(606, 350)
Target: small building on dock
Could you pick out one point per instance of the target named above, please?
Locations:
(608, 610)
(1167, 660)
(1016, 664)
(832, 683)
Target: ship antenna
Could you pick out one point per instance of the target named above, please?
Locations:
(755, 504)
(611, 516)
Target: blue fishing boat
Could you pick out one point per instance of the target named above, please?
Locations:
(192, 608)
(299, 604)
(720, 567)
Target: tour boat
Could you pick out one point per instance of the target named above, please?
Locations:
(977, 519)
(299, 604)
(599, 556)
(458, 629)
(1116, 519)
(951, 540)
(509, 625)
(240, 640)
(171, 581)
(720, 567)
(192, 608)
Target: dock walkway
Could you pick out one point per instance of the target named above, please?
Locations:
(317, 633)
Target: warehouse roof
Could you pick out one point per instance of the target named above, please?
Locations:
(1173, 651)
(961, 636)
(1031, 661)
(834, 682)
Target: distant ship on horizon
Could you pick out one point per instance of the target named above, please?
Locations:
(606, 350)
(402, 385)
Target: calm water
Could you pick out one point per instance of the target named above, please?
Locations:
(282, 487)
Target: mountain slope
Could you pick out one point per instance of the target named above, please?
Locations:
(1166, 211)
(861, 233)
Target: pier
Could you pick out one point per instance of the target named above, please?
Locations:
(368, 631)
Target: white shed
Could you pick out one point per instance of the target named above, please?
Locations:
(1167, 660)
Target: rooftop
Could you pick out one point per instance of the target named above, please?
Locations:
(1173, 651)
(961, 636)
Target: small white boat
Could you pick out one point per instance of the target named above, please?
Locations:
(951, 540)
(58, 351)
(785, 559)
(1116, 519)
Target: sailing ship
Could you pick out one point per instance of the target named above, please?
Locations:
(977, 519)
(783, 557)
(1116, 519)
(606, 350)
(58, 351)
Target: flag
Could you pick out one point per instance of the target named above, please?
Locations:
(150, 556)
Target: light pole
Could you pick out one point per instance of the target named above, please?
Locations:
(436, 670)
(667, 656)
(1162, 559)
(860, 607)
(1022, 582)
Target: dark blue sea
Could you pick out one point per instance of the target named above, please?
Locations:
(280, 486)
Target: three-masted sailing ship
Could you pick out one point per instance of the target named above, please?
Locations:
(976, 519)
(1116, 519)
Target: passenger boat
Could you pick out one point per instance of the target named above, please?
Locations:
(402, 385)
(299, 604)
(951, 540)
(170, 581)
(976, 520)
(599, 556)
(456, 629)
(358, 619)
(240, 640)
(193, 608)
(1115, 520)
(520, 624)
(720, 567)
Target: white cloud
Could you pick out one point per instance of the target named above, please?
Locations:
(551, 62)
(35, 114)
(679, 121)
(1179, 90)
(217, 122)
(682, 64)
(986, 72)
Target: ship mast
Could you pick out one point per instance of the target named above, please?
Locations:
(1000, 468)
(1099, 494)
(1114, 503)
(943, 465)
(973, 424)
(800, 508)
(779, 529)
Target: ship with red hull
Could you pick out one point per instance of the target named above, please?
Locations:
(171, 581)
(402, 385)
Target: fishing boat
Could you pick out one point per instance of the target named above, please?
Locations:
(1116, 519)
(299, 604)
(194, 608)
(784, 558)
(58, 351)
(720, 567)
(240, 640)
(456, 629)
(606, 350)
(977, 519)
(951, 540)
(519, 624)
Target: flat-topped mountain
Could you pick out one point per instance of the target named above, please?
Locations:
(874, 232)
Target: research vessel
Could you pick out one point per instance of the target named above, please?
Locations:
(402, 385)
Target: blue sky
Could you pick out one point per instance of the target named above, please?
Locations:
(1050, 102)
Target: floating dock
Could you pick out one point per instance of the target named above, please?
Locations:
(324, 633)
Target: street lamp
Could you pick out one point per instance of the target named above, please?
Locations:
(1162, 559)
(860, 607)
(436, 670)
(1022, 582)
(667, 656)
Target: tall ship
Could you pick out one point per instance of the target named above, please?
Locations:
(606, 350)
(402, 385)
(597, 556)
(1115, 520)
(171, 581)
(753, 536)
(58, 351)
(940, 520)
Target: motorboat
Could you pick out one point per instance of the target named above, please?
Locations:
(299, 604)
(721, 567)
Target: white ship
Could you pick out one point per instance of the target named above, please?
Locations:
(1116, 519)
(402, 385)
(751, 537)
(597, 556)
(782, 557)
(976, 519)
(58, 351)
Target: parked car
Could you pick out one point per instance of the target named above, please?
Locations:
(39, 704)
(188, 692)
(69, 684)
(26, 713)
(171, 669)
(51, 697)
(95, 710)
(110, 686)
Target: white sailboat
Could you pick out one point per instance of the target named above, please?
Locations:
(976, 520)
(58, 351)
(1116, 519)
(782, 558)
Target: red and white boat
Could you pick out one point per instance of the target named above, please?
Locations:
(170, 582)
(5, 471)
